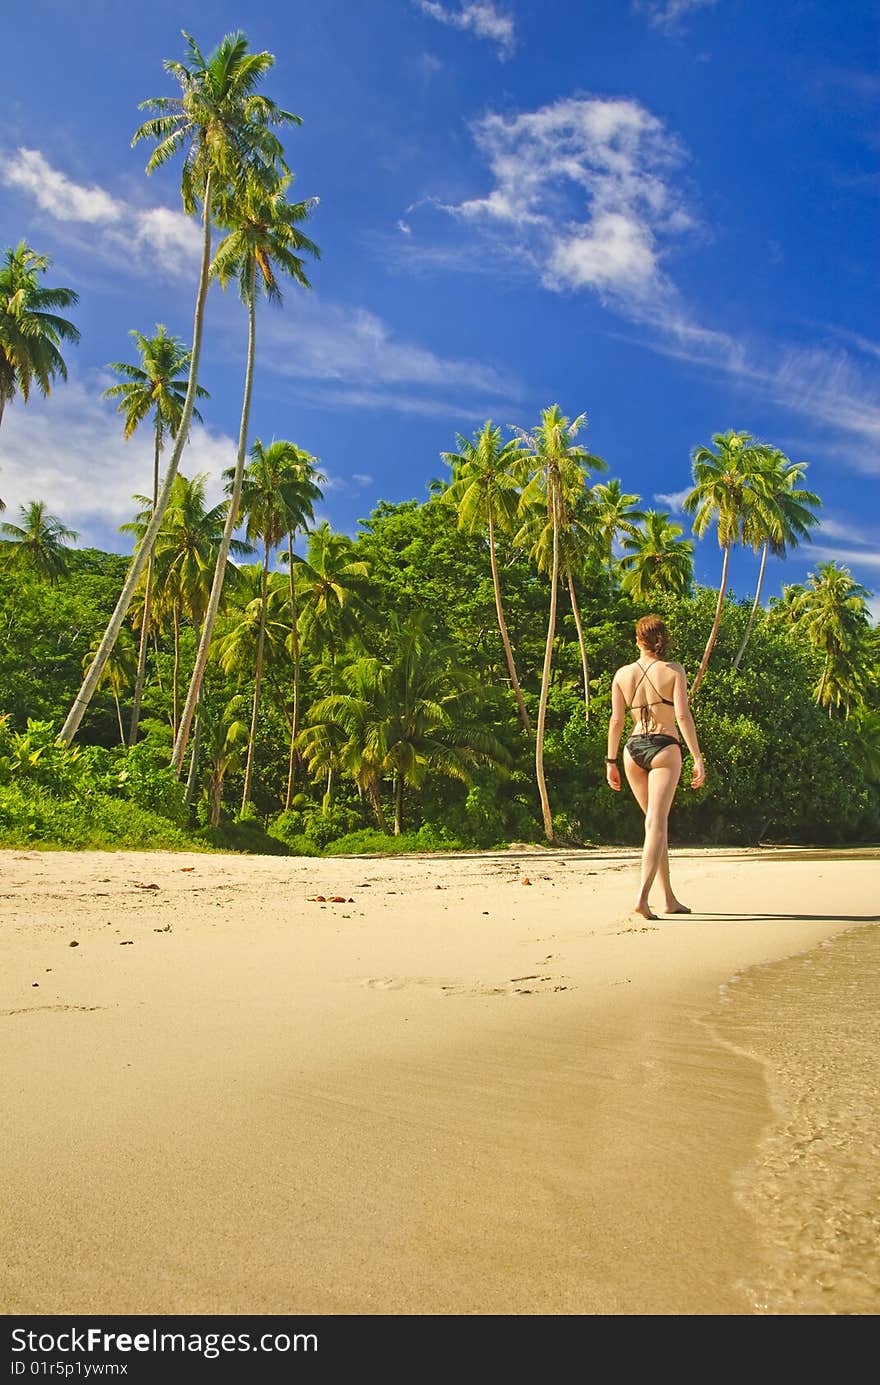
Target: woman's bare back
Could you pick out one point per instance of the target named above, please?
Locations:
(648, 687)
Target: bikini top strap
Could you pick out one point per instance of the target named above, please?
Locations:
(666, 700)
(645, 675)
(637, 686)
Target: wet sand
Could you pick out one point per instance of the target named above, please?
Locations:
(440, 1090)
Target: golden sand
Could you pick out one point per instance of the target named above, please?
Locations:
(445, 1091)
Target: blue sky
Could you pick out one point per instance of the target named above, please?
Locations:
(658, 212)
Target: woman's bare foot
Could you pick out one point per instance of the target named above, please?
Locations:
(674, 906)
(644, 910)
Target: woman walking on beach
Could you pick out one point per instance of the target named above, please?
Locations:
(655, 692)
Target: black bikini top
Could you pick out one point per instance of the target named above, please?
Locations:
(667, 702)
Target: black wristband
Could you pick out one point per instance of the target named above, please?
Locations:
(611, 759)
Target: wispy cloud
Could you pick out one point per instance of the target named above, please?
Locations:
(845, 529)
(148, 239)
(56, 194)
(850, 557)
(669, 15)
(481, 17)
(353, 347)
(69, 451)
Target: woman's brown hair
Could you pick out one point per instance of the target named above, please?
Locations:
(653, 634)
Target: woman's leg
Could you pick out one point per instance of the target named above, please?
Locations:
(638, 782)
(662, 778)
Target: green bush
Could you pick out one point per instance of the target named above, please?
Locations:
(324, 827)
(30, 816)
(244, 834)
(371, 841)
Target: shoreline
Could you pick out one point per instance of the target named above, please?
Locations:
(448, 1092)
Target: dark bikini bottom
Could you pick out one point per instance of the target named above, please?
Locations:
(643, 749)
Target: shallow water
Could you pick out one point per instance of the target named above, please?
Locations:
(813, 1189)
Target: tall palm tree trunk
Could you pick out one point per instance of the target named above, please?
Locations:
(294, 635)
(375, 797)
(754, 610)
(198, 672)
(575, 610)
(145, 617)
(548, 664)
(216, 789)
(502, 626)
(398, 805)
(192, 780)
(713, 633)
(823, 680)
(258, 679)
(175, 676)
(119, 719)
(145, 548)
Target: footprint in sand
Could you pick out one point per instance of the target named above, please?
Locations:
(535, 983)
(400, 983)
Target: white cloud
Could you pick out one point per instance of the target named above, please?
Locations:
(586, 190)
(668, 15)
(69, 451)
(481, 17)
(615, 250)
(155, 238)
(55, 193)
(174, 237)
(362, 478)
(673, 500)
(402, 226)
(587, 194)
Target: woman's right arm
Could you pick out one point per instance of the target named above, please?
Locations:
(685, 719)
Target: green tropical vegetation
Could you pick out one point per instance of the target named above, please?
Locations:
(440, 680)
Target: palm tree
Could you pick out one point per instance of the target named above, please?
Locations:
(727, 488)
(401, 718)
(485, 493)
(119, 671)
(274, 500)
(787, 518)
(576, 535)
(255, 638)
(616, 517)
(30, 329)
(38, 543)
(222, 126)
(832, 610)
(224, 738)
(332, 585)
(186, 550)
(278, 494)
(558, 466)
(657, 560)
(262, 238)
(157, 386)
